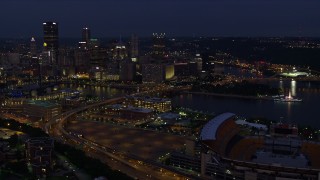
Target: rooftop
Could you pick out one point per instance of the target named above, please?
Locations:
(41, 140)
(44, 104)
(169, 116)
(299, 161)
(209, 130)
(255, 125)
(150, 99)
(136, 109)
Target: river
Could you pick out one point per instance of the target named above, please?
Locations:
(304, 113)
(102, 92)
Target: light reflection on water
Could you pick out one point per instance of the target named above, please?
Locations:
(102, 92)
(306, 112)
(281, 84)
(293, 88)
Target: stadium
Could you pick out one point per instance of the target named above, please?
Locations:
(230, 153)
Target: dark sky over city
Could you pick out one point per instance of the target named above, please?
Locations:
(107, 18)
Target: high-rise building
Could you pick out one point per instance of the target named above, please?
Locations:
(98, 57)
(134, 47)
(195, 65)
(66, 57)
(113, 70)
(51, 39)
(81, 60)
(120, 52)
(39, 155)
(86, 35)
(159, 43)
(93, 44)
(51, 36)
(127, 70)
(157, 73)
(33, 47)
(84, 44)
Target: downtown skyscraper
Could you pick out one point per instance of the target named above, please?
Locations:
(134, 47)
(51, 36)
(51, 40)
(86, 34)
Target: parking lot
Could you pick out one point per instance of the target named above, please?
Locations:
(143, 143)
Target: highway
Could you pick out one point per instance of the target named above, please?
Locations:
(132, 165)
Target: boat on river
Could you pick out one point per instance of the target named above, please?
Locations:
(288, 98)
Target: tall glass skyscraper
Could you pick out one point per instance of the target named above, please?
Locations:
(134, 46)
(159, 43)
(51, 47)
(86, 34)
(50, 36)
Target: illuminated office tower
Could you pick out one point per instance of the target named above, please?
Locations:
(157, 73)
(51, 40)
(120, 52)
(134, 47)
(86, 35)
(51, 36)
(195, 65)
(85, 42)
(159, 43)
(33, 47)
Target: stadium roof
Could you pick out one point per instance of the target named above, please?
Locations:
(209, 130)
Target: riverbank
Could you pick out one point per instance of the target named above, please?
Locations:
(231, 95)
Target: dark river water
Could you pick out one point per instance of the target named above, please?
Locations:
(102, 92)
(304, 113)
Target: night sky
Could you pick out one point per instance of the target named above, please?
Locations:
(111, 18)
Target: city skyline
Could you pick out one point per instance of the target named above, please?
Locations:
(176, 18)
(160, 89)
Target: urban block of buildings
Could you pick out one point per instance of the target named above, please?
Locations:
(39, 153)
